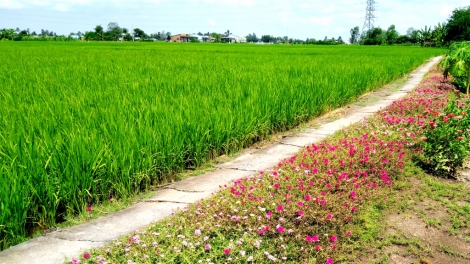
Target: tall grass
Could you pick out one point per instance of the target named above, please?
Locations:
(83, 122)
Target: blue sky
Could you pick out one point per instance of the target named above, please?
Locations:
(295, 18)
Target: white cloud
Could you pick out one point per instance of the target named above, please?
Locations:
(324, 21)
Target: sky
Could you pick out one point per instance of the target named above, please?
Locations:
(298, 19)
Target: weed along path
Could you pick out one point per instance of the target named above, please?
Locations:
(60, 245)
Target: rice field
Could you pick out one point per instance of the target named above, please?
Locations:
(84, 122)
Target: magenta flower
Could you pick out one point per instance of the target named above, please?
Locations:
(353, 208)
(348, 233)
(329, 261)
(280, 208)
(88, 208)
(207, 247)
(307, 198)
(317, 247)
(86, 256)
(226, 251)
(280, 229)
(329, 216)
(276, 186)
(300, 204)
(269, 214)
(300, 213)
(333, 238)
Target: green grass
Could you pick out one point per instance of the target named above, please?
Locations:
(85, 122)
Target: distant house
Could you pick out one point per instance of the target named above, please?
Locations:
(74, 37)
(233, 39)
(202, 38)
(181, 38)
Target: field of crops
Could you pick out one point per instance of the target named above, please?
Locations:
(83, 122)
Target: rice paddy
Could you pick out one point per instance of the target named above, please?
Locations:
(82, 123)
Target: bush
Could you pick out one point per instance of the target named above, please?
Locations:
(446, 141)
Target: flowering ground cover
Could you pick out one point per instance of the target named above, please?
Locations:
(315, 207)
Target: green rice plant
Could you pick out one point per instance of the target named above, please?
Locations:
(85, 122)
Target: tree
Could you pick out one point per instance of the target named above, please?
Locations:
(7, 33)
(168, 36)
(458, 25)
(99, 32)
(457, 63)
(425, 36)
(375, 36)
(413, 34)
(128, 37)
(227, 33)
(354, 39)
(139, 33)
(391, 35)
(438, 34)
(340, 40)
(217, 37)
(114, 31)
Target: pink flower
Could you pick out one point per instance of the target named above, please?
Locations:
(317, 247)
(207, 247)
(261, 232)
(86, 255)
(300, 213)
(334, 246)
(280, 229)
(75, 261)
(88, 208)
(226, 251)
(307, 197)
(348, 233)
(300, 204)
(269, 214)
(353, 208)
(333, 238)
(276, 186)
(197, 232)
(329, 261)
(280, 208)
(329, 216)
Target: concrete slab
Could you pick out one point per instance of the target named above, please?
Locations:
(303, 139)
(170, 195)
(46, 249)
(333, 126)
(279, 149)
(115, 225)
(396, 96)
(253, 162)
(209, 181)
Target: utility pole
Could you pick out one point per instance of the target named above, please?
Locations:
(370, 15)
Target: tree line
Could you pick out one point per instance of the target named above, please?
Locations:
(457, 28)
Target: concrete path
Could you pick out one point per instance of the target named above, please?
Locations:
(58, 246)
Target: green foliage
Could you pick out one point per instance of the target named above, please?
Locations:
(447, 140)
(458, 26)
(457, 63)
(354, 35)
(84, 122)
